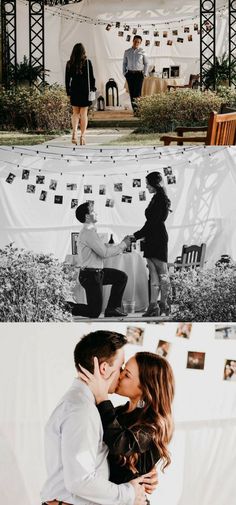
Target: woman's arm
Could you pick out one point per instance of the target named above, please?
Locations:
(91, 77)
(67, 78)
(119, 439)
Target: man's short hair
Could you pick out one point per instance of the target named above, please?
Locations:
(82, 211)
(137, 37)
(102, 344)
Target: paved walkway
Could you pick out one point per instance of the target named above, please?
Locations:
(94, 136)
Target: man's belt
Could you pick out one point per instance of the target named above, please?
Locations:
(88, 269)
(135, 71)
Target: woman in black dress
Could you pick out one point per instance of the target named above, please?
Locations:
(137, 433)
(155, 244)
(79, 77)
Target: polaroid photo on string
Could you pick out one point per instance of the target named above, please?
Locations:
(157, 43)
(145, 32)
(165, 35)
(169, 42)
(171, 179)
(196, 360)
(126, 199)
(190, 38)
(117, 24)
(58, 199)
(155, 33)
(195, 27)
(128, 38)
(167, 170)
(225, 331)
(184, 330)
(142, 196)
(30, 188)
(74, 203)
(120, 34)
(71, 186)
(108, 27)
(91, 202)
(25, 174)
(136, 183)
(147, 42)
(40, 179)
(43, 195)
(134, 335)
(53, 184)
(10, 178)
(230, 370)
(118, 186)
(134, 31)
(109, 202)
(175, 33)
(163, 348)
(102, 189)
(126, 28)
(180, 40)
(88, 188)
(186, 29)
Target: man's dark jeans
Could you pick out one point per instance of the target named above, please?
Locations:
(92, 281)
(135, 82)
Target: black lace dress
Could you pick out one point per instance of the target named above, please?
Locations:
(77, 84)
(154, 231)
(124, 439)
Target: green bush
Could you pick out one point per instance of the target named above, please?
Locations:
(207, 295)
(33, 287)
(30, 109)
(182, 107)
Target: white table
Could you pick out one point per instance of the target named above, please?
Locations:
(134, 265)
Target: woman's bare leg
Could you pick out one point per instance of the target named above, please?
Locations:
(154, 281)
(75, 121)
(83, 121)
(163, 275)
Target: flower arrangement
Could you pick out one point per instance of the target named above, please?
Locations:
(206, 295)
(33, 287)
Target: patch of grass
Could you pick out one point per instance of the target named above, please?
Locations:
(146, 139)
(24, 139)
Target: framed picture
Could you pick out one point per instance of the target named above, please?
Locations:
(74, 242)
(165, 73)
(174, 71)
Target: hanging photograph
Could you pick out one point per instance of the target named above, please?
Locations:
(134, 335)
(196, 360)
(53, 184)
(134, 31)
(195, 27)
(120, 34)
(10, 178)
(156, 33)
(117, 24)
(25, 174)
(175, 32)
(225, 331)
(230, 370)
(165, 35)
(126, 199)
(180, 40)
(118, 186)
(43, 196)
(145, 32)
(142, 196)
(169, 42)
(30, 188)
(190, 38)
(136, 183)
(174, 71)
(58, 199)
(147, 42)
(40, 179)
(74, 242)
(71, 186)
(171, 179)
(165, 73)
(184, 330)
(102, 189)
(128, 38)
(186, 29)
(88, 188)
(109, 202)
(167, 170)
(74, 203)
(157, 43)
(163, 348)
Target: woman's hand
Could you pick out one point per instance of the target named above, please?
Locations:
(149, 480)
(97, 383)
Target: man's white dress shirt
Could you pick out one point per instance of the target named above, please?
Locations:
(135, 59)
(76, 456)
(92, 250)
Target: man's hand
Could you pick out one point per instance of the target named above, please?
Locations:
(140, 498)
(127, 240)
(150, 481)
(96, 382)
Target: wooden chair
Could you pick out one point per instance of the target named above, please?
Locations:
(193, 82)
(221, 131)
(192, 257)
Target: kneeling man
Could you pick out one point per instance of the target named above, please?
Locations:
(92, 274)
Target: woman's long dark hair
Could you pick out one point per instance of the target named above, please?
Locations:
(77, 58)
(155, 180)
(157, 384)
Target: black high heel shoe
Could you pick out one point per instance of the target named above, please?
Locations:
(153, 310)
(164, 309)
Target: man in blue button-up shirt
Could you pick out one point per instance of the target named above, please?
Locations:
(135, 67)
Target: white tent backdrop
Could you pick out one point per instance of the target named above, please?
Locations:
(105, 48)
(203, 198)
(36, 363)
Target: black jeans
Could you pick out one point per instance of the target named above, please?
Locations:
(135, 82)
(92, 281)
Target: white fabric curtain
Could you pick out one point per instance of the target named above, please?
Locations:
(203, 198)
(105, 48)
(36, 363)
